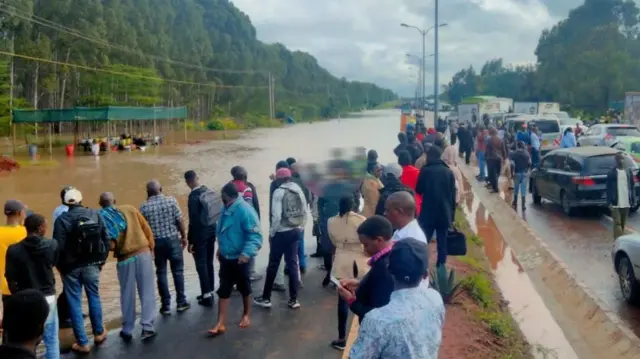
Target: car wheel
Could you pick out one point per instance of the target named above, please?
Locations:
(534, 193)
(566, 207)
(629, 286)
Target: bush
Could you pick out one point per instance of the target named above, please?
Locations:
(479, 288)
(444, 283)
(221, 124)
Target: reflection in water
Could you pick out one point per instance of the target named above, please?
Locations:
(534, 319)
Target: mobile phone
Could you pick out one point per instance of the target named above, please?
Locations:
(335, 281)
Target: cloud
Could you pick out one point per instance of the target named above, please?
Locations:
(363, 40)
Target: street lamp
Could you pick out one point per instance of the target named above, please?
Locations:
(424, 58)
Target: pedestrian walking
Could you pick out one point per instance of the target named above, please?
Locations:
(62, 305)
(83, 245)
(374, 289)
(620, 194)
(289, 210)
(250, 195)
(26, 313)
(411, 324)
(453, 132)
(30, 265)
(496, 155)
(133, 245)
(204, 206)
(239, 240)
(465, 147)
(521, 162)
(393, 172)
(278, 284)
(535, 146)
(437, 185)
(350, 260)
(401, 212)
(481, 149)
(165, 219)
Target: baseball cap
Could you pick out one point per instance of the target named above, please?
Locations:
(72, 196)
(12, 207)
(283, 173)
(408, 260)
(393, 169)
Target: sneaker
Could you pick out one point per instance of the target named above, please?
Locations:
(262, 302)
(339, 344)
(255, 277)
(293, 304)
(126, 337)
(206, 302)
(100, 338)
(316, 255)
(277, 287)
(183, 307)
(165, 310)
(147, 334)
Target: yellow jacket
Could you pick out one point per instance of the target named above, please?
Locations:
(8, 235)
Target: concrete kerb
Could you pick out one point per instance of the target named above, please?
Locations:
(592, 328)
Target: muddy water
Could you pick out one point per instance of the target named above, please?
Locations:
(533, 317)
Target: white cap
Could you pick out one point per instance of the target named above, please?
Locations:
(72, 196)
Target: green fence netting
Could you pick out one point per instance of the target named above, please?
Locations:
(111, 113)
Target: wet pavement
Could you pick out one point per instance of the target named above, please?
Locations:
(278, 333)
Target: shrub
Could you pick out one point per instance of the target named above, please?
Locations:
(479, 288)
(499, 323)
(444, 283)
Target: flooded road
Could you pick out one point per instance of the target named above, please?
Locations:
(534, 319)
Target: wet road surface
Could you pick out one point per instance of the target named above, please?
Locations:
(584, 243)
(278, 333)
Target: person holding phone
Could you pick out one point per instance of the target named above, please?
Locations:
(343, 233)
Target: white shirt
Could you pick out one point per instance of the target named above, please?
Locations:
(623, 190)
(411, 230)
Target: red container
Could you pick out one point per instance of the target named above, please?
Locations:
(69, 149)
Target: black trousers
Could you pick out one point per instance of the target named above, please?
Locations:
(343, 315)
(328, 262)
(494, 165)
(454, 137)
(204, 250)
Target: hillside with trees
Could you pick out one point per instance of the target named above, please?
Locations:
(203, 54)
(584, 62)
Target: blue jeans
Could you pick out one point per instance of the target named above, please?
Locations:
(89, 278)
(50, 336)
(482, 164)
(520, 184)
(535, 158)
(169, 250)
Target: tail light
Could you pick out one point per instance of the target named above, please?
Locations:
(585, 181)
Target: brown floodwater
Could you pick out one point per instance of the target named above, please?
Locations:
(533, 317)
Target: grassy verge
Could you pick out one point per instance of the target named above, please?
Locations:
(487, 308)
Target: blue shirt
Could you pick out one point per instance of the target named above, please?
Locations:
(568, 141)
(115, 222)
(535, 141)
(410, 326)
(238, 231)
(523, 137)
(58, 211)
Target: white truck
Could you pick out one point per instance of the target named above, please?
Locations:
(528, 108)
(548, 107)
(468, 113)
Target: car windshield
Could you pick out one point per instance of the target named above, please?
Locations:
(622, 131)
(601, 165)
(547, 126)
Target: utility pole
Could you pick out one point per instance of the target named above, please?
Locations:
(436, 99)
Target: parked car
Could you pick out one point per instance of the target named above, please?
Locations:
(607, 134)
(577, 177)
(629, 145)
(626, 262)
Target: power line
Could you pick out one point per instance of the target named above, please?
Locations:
(159, 79)
(11, 10)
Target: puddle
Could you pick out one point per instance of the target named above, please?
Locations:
(534, 319)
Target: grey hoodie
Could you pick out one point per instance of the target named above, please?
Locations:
(276, 207)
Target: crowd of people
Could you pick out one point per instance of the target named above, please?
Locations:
(376, 258)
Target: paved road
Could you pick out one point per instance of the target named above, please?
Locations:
(276, 333)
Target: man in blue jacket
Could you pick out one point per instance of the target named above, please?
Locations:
(239, 239)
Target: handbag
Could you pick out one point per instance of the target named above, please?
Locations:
(456, 243)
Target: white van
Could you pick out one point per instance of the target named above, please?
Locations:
(549, 130)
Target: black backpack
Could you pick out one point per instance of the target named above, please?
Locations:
(88, 233)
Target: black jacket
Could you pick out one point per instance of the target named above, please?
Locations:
(14, 352)
(197, 231)
(375, 288)
(295, 177)
(401, 147)
(415, 150)
(521, 160)
(466, 139)
(612, 187)
(255, 202)
(391, 186)
(437, 185)
(30, 265)
(68, 256)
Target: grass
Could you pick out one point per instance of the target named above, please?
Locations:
(480, 286)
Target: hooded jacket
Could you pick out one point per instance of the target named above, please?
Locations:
(276, 207)
(30, 265)
(391, 186)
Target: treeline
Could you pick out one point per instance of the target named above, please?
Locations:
(203, 54)
(584, 62)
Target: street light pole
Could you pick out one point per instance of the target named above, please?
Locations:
(424, 73)
(436, 99)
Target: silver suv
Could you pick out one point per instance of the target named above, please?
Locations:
(606, 134)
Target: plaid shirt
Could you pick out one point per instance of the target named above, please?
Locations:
(162, 212)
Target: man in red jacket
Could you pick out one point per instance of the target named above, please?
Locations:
(409, 176)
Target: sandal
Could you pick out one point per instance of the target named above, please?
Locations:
(81, 349)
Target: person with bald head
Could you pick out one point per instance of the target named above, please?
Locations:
(400, 210)
(165, 219)
(132, 243)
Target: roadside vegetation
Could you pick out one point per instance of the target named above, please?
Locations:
(478, 322)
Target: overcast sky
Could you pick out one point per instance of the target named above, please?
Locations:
(362, 39)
